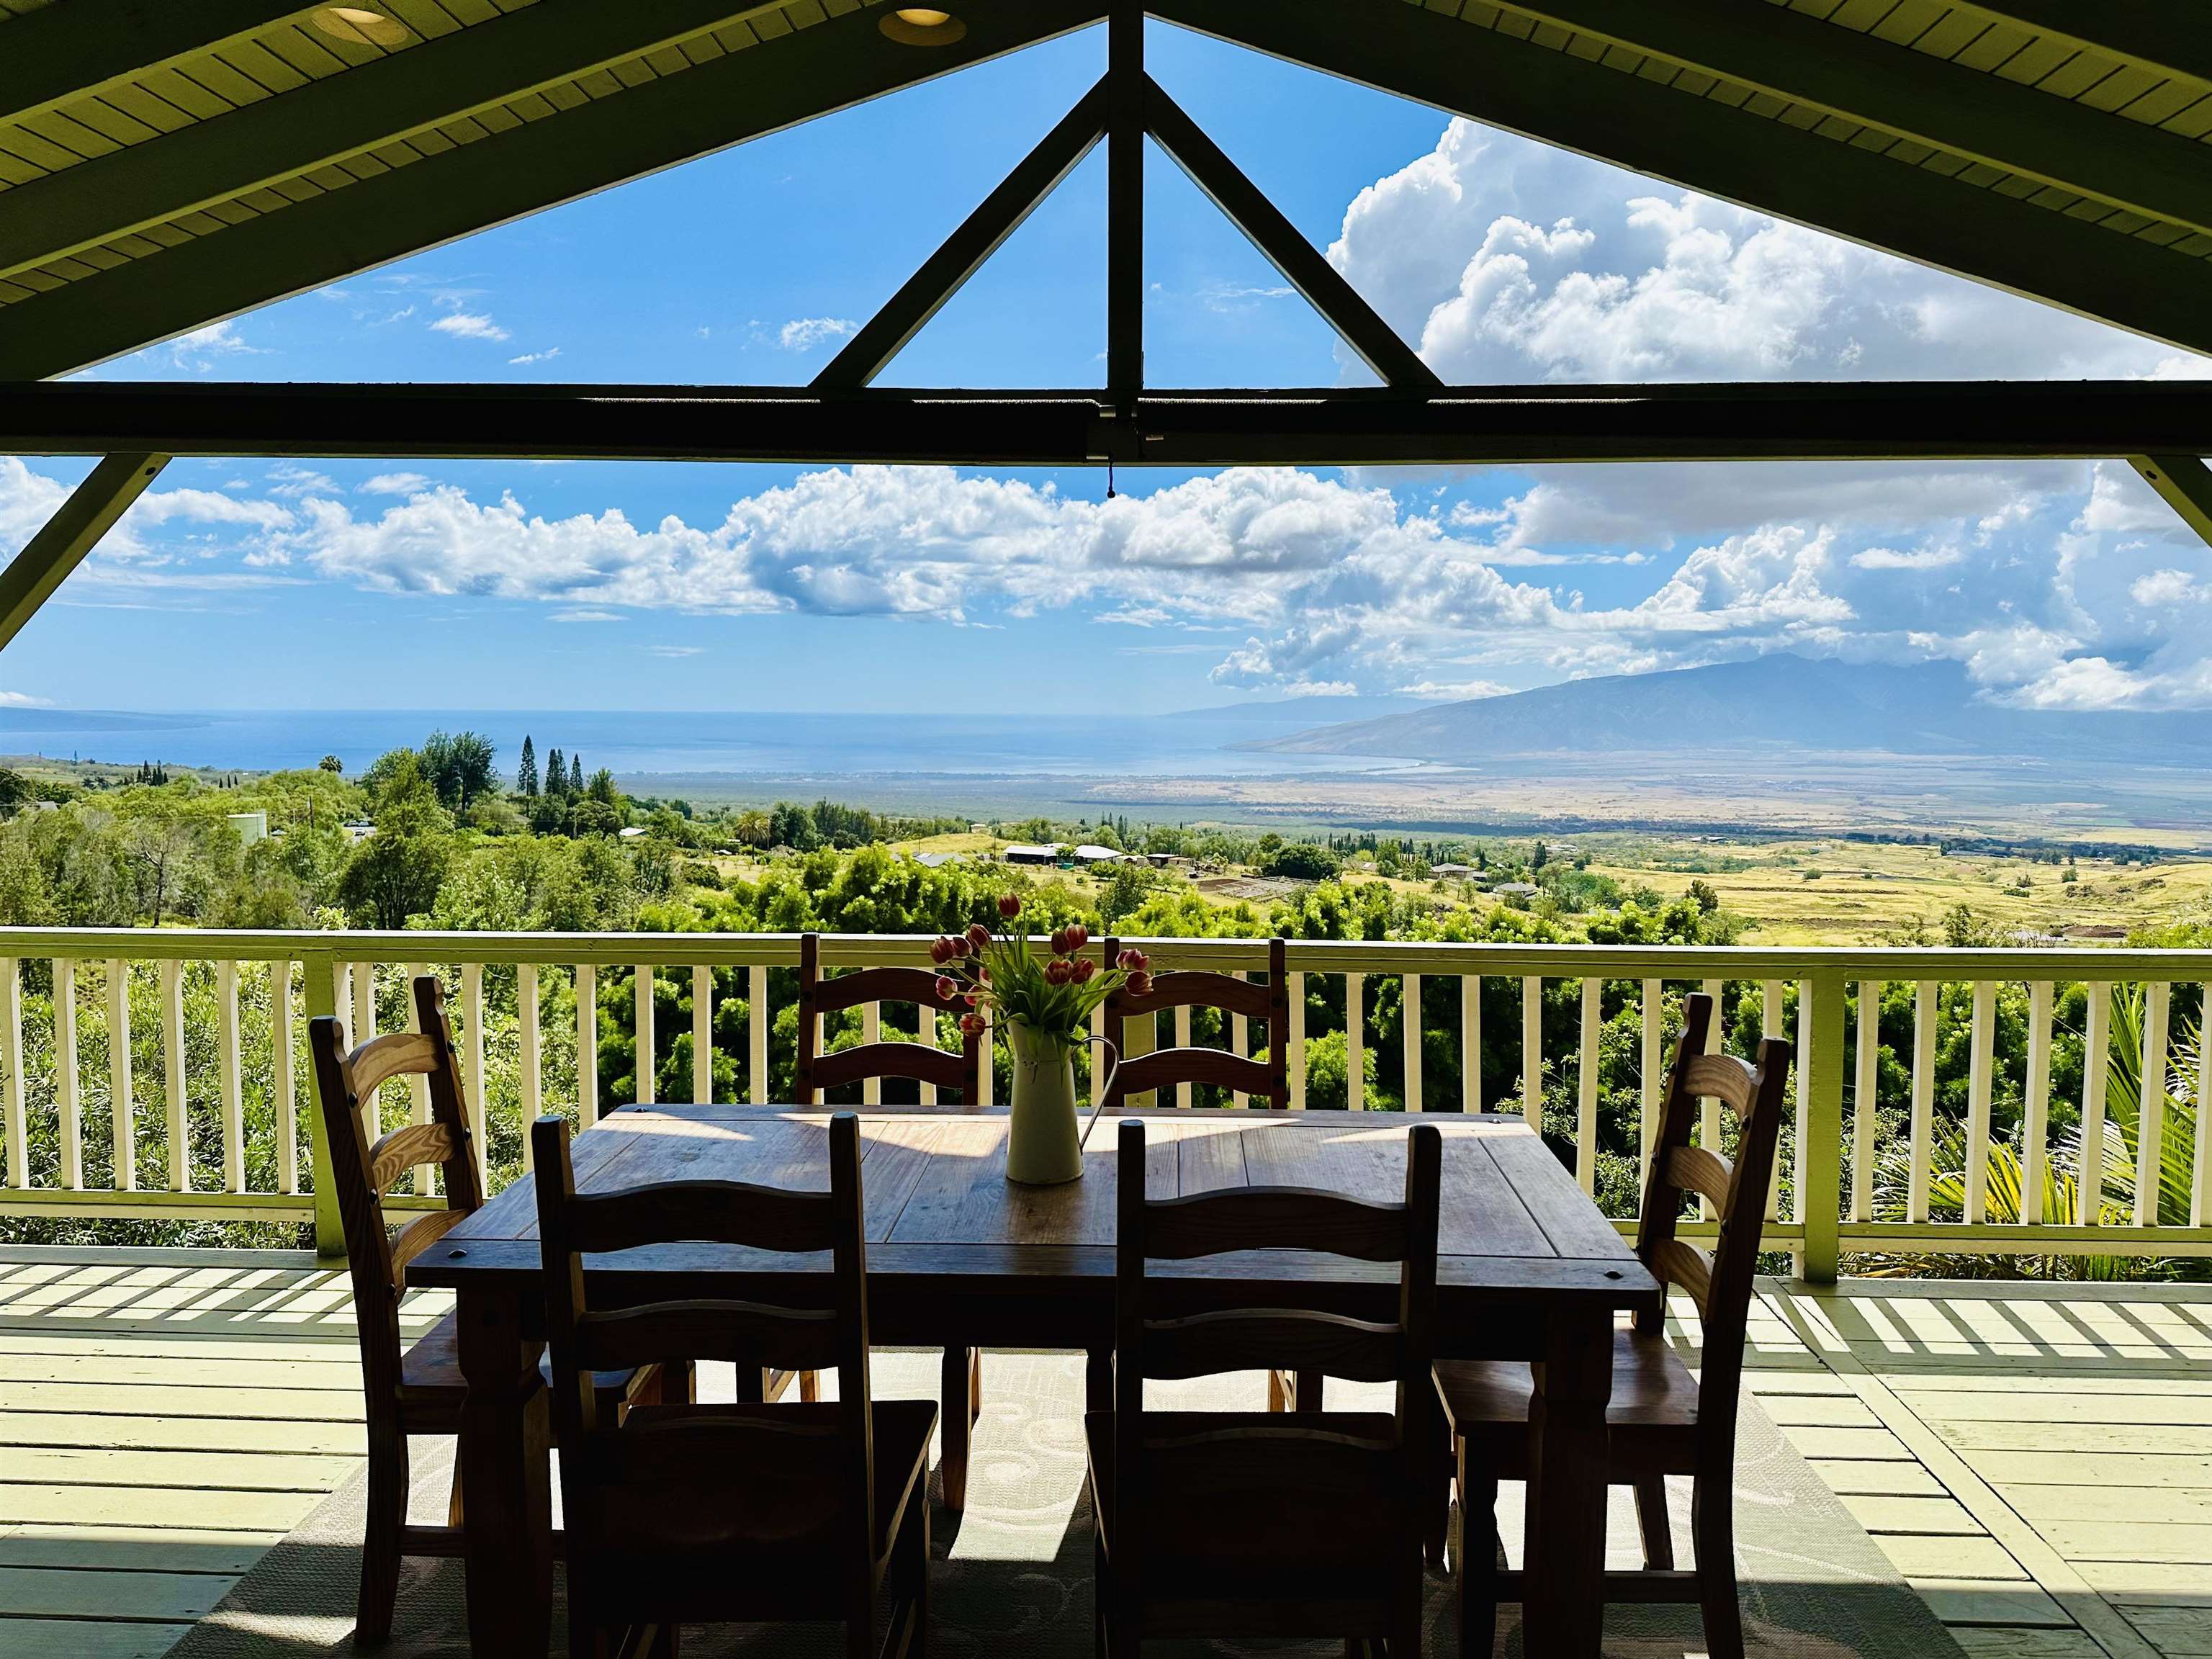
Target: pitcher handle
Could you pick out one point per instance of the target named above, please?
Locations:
(1100, 1090)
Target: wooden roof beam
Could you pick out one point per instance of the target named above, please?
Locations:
(941, 276)
(330, 120)
(1247, 206)
(2156, 33)
(1870, 81)
(1708, 146)
(63, 542)
(812, 72)
(61, 52)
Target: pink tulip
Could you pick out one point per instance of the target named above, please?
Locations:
(947, 990)
(978, 935)
(1083, 969)
(1010, 905)
(1077, 936)
(1133, 961)
(971, 1025)
(1058, 971)
(1141, 982)
(942, 951)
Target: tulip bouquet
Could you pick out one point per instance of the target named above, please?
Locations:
(1005, 980)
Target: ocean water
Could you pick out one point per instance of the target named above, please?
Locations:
(643, 745)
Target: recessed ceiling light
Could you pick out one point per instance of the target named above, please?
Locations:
(360, 25)
(923, 26)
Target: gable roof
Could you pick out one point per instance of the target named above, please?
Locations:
(165, 166)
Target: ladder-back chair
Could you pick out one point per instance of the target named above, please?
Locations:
(1268, 1080)
(750, 1512)
(1660, 1420)
(1250, 1524)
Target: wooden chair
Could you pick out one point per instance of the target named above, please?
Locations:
(1246, 1524)
(1661, 1420)
(962, 1376)
(417, 1391)
(750, 1512)
(1268, 1080)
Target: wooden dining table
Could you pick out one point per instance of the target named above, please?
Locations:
(957, 1255)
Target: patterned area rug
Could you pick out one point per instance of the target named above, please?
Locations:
(1013, 1577)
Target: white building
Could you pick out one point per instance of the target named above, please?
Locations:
(251, 827)
(1048, 853)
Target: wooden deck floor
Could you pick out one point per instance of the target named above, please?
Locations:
(2037, 1459)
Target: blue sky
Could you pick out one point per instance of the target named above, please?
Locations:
(249, 585)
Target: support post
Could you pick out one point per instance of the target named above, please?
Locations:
(1820, 1124)
(1125, 206)
(320, 971)
(58, 549)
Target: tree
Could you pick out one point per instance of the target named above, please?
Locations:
(330, 763)
(575, 773)
(557, 775)
(16, 791)
(397, 872)
(525, 775)
(459, 766)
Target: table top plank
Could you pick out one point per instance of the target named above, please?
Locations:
(1210, 1156)
(1570, 1221)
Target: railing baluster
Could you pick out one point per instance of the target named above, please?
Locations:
(172, 1072)
(2150, 1119)
(418, 1087)
(284, 1085)
(228, 1081)
(1410, 996)
(702, 1036)
(588, 1044)
(1470, 1043)
(2200, 1171)
(1981, 1061)
(1297, 1042)
(1770, 1024)
(2038, 1105)
(1709, 1106)
(871, 1030)
(642, 1033)
(122, 1111)
(1182, 1041)
(11, 1086)
(1821, 1015)
(364, 1028)
(1240, 1043)
(1586, 1086)
(1532, 1050)
(1924, 1098)
(1651, 1084)
(757, 1035)
(2096, 1063)
(1355, 1042)
(532, 1078)
(1866, 1117)
(67, 1108)
(472, 1071)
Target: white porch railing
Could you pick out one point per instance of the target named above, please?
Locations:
(183, 1030)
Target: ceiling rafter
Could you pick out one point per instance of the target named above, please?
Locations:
(741, 95)
(2160, 33)
(2183, 482)
(410, 92)
(1911, 94)
(63, 542)
(1704, 146)
(62, 52)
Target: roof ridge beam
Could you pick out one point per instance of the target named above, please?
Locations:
(1910, 94)
(710, 106)
(1703, 146)
(343, 115)
(1283, 246)
(980, 235)
(63, 52)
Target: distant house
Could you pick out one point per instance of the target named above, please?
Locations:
(250, 826)
(935, 860)
(1513, 891)
(1048, 853)
(630, 832)
(1453, 872)
(1167, 860)
(1087, 854)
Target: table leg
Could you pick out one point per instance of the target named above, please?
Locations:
(956, 1421)
(508, 1512)
(1564, 1605)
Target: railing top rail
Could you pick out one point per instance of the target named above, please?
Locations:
(1306, 956)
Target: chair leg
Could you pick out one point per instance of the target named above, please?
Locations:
(1102, 1597)
(1713, 1529)
(1307, 1397)
(917, 1570)
(380, 1544)
(975, 1384)
(1651, 1521)
(1478, 1551)
(810, 1387)
(453, 1502)
(1098, 1380)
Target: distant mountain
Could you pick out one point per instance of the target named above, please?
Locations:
(1795, 702)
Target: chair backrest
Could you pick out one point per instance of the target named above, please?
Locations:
(365, 1166)
(692, 1482)
(1719, 1284)
(1268, 1078)
(1233, 1339)
(924, 1062)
